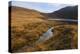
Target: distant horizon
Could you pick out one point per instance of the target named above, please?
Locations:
(41, 7)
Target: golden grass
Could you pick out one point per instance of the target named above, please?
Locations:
(32, 31)
(27, 29)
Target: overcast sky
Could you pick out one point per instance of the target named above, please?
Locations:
(42, 7)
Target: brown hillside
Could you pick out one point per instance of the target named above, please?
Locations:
(27, 26)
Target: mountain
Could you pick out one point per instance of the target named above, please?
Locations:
(28, 25)
(20, 15)
(29, 13)
(70, 12)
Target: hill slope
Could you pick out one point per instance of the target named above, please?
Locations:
(28, 25)
(70, 12)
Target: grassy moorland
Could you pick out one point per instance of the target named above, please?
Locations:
(28, 25)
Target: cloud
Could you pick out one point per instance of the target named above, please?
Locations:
(42, 7)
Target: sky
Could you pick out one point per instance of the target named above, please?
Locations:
(42, 7)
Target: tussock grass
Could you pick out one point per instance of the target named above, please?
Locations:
(27, 26)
